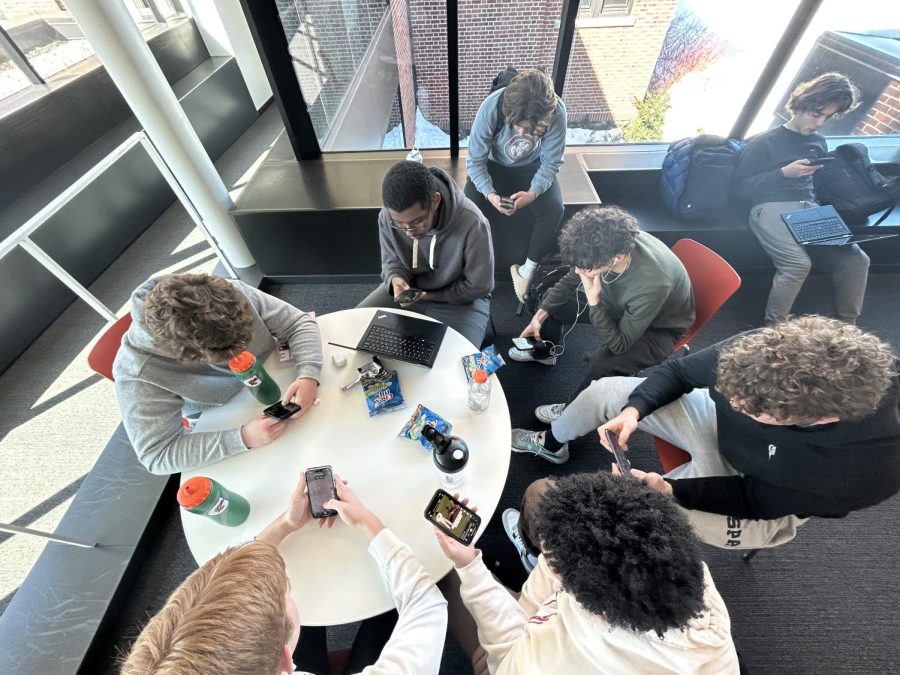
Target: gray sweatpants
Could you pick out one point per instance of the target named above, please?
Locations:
(847, 265)
(470, 319)
(689, 423)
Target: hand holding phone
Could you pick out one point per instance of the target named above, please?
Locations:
(819, 161)
(525, 344)
(320, 487)
(507, 203)
(408, 296)
(453, 517)
(621, 460)
(281, 411)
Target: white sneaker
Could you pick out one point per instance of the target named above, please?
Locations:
(510, 519)
(520, 283)
(528, 355)
(549, 413)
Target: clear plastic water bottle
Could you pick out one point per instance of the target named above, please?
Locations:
(479, 391)
(414, 155)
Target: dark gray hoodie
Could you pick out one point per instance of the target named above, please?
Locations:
(454, 262)
(155, 390)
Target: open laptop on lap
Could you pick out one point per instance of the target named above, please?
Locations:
(406, 338)
(822, 226)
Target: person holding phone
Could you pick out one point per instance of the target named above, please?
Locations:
(437, 257)
(775, 175)
(516, 148)
(236, 614)
(601, 598)
(173, 362)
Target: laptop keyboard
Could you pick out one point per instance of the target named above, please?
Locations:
(388, 342)
(818, 229)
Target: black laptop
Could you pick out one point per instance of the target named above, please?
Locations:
(823, 226)
(406, 338)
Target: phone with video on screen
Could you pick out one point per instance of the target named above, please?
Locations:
(452, 517)
(320, 486)
(621, 460)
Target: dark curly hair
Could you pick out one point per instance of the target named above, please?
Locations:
(406, 184)
(595, 235)
(530, 98)
(825, 90)
(198, 318)
(623, 550)
(806, 368)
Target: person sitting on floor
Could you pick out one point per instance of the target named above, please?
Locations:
(603, 597)
(782, 423)
(174, 361)
(637, 295)
(237, 614)
(515, 150)
(435, 240)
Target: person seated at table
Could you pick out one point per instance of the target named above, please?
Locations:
(782, 423)
(237, 614)
(516, 148)
(173, 361)
(636, 293)
(604, 598)
(435, 240)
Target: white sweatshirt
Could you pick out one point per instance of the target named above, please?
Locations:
(547, 631)
(417, 643)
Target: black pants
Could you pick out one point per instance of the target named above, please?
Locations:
(311, 653)
(547, 208)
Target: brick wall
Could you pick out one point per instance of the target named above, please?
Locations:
(884, 115)
(403, 48)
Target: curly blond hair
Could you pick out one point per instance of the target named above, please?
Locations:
(198, 318)
(228, 617)
(806, 369)
(530, 97)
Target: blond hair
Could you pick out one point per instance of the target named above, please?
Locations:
(806, 369)
(228, 617)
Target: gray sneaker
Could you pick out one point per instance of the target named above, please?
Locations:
(510, 520)
(549, 413)
(532, 443)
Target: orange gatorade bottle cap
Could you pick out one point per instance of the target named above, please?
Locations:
(194, 492)
(480, 376)
(241, 362)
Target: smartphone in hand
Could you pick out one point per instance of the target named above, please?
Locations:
(320, 485)
(408, 296)
(525, 344)
(452, 517)
(507, 203)
(281, 412)
(621, 460)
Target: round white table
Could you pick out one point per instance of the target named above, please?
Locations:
(334, 578)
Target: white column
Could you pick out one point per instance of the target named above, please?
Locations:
(128, 60)
(224, 29)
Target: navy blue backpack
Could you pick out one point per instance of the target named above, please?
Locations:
(695, 181)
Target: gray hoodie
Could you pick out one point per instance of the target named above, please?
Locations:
(155, 390)
(454, 262)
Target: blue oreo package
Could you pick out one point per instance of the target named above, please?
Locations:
(382, 393)
(422, 416)
(488, 360)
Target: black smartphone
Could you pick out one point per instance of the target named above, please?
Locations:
(506, 202)
(452, 517)
(408, 296)
(281, 412)
(525, 344)
(816, 161)
(621, 459)
(320, 485)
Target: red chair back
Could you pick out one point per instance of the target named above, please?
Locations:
(670, 456)
(712, 278)
(104, 352)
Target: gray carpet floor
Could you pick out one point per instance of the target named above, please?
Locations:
(826, 602)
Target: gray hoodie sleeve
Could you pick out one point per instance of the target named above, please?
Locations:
(392, 264)
(152, 418)
(480, 139)
(553, 149)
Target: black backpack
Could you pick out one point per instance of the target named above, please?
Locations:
(549, 270)
(695, 180)
(853, 186)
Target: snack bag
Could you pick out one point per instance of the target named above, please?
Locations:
(421, 417)
(382, 393)
(488, 360)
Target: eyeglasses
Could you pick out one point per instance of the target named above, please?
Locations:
(419, 223)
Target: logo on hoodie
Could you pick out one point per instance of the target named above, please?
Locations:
(772, 450)
(519, 146)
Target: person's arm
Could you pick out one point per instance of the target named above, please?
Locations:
(152, 418)
(480, 138)
(561, 293)
(755, 174)
(477, 277)
(392, 263)
(640, 311)
(553, 150)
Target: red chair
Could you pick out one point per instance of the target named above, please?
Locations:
(104, 352)
(713, 281)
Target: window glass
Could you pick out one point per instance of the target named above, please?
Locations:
(46, 33)
(861, 44)
(351, 63)
(149, 14)
(486, 47)
(12, 79)
(668, 69)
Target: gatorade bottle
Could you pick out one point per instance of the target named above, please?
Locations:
(208, 498)
(479, 391)
(251, 372)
